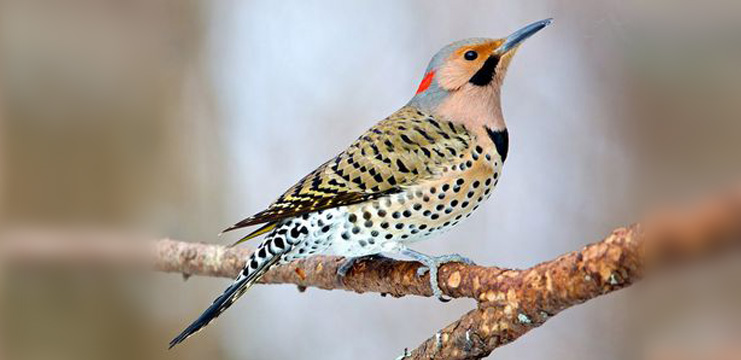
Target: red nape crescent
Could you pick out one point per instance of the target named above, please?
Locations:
(426, 81)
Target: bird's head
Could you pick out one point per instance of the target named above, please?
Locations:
(470, 72)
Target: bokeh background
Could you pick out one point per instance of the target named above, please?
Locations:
(177, 118)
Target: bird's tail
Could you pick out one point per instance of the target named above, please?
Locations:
(266, 255)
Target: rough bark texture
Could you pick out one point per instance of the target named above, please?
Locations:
(510, 302)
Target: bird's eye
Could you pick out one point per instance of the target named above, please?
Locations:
(470, 55)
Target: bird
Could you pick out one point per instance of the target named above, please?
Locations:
(413, 175)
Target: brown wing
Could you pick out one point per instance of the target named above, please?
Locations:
(404, 149)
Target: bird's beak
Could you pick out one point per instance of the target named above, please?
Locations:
(512, 41)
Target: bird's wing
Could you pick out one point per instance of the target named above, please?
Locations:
(403, 149)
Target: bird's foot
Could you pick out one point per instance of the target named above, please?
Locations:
(350, 262)
(444, 259)
(431, 265)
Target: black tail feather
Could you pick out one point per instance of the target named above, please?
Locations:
(219, 305)
(223, 302)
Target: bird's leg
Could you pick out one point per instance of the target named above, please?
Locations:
(431, 264)
(350, 262)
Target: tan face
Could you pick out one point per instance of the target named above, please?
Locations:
(467, 65)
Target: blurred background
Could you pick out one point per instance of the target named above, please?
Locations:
(177, 118)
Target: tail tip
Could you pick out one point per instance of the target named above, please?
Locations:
(175, 341)
(190, 330)
(212, 312)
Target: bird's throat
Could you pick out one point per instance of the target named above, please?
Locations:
(476, 107)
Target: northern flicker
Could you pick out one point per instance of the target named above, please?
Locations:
(413, 175)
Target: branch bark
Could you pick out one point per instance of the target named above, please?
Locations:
(511, 302)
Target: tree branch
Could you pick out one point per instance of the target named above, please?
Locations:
(510, 302)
